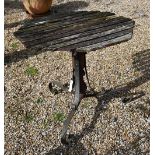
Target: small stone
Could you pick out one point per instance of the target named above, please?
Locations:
(43, 133)
(115, 119)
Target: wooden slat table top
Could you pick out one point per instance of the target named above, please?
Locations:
(82, 30)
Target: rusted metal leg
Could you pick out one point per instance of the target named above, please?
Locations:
(80, 89)
(77, 86)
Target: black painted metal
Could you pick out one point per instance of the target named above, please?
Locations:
(79, 60)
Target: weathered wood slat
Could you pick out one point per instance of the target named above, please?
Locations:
(83, 36)
(81, 30)
(77, 43)
(62, 18)
(71, 27)
(89, 42)
(74, 35)
(54, 18)
(47, 24)
(48, 27)
(104, 44)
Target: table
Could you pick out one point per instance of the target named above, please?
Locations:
(79, 33)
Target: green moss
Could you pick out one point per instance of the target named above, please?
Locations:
(40, 100)
(45, 123)
(14, 45)
(31, 71)
(58, 117)
(29, 117)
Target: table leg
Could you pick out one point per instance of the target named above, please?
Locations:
(57, 87)
(80, 87)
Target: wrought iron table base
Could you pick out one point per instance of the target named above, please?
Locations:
(79, 88)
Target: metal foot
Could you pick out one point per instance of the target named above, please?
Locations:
(67, 140)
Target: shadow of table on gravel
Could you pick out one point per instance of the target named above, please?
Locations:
(76, 149)
(13, 4)
(141, 62)
(132, 147)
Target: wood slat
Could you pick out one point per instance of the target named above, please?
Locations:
(70, 33)
(89, 41)
(54, 18)
(81, 30)
(48, 27)
(71, 30)
(104, 43)
(62, 18)
(81, 37)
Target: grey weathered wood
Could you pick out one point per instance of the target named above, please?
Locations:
(71, 35)
(81, 30)
(77, 43)
(75, 28)
(82, 39)
(48, 27)
(64, 17)
(104, 44)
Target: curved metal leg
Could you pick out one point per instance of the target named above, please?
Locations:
(77, 86)
(65, 139)
(78, 78)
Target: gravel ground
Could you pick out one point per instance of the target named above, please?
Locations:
(33, 115)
